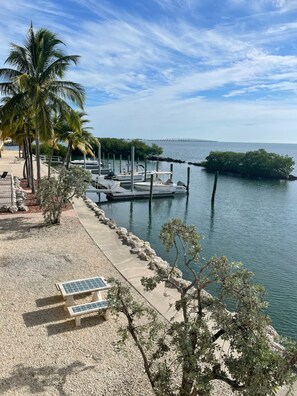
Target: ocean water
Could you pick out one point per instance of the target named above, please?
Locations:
(253, 221)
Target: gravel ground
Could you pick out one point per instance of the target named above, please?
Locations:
(41, 350)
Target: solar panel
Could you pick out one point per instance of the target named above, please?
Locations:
(91, 305)
(84, 284)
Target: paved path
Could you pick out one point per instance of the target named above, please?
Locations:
(129, 265)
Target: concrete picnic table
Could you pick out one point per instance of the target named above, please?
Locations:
(76, 287)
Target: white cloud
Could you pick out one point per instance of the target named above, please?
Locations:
(143, 66)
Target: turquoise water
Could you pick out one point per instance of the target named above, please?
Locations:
(253, 221)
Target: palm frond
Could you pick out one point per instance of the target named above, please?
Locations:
(9, 74)
(70, 91)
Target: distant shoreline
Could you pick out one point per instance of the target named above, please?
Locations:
(181, 140)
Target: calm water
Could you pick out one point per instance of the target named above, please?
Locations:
(253, 221)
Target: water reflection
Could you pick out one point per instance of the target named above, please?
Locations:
(212, 216)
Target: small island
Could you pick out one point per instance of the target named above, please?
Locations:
(253, 164)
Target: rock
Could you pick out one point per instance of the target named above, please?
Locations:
(143, 256)
(23, 208)
(134, 251)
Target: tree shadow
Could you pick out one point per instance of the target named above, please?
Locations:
(38, 379)
(19, 226)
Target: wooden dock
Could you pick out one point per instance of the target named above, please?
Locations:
(131, 195)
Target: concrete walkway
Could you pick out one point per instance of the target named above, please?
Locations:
(129, 265)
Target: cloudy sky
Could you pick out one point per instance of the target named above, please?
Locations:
(220, 70)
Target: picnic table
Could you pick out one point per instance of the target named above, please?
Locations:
(77, 287)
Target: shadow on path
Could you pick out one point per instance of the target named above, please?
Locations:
(19, 226)
(39, 379)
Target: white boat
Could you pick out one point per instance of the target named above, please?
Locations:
(160, 185)
(90, 164)
(125, 176)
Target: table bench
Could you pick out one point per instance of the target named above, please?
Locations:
(79, 287)
(76, 311)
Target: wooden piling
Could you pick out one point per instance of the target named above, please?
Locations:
(145, 169)
(151, 189)
(214, 188)
(99, 159)
(113, 163)
(171, 170)
(132, 167)
(188, 179)
(120, 163)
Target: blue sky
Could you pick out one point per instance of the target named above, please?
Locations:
(219, 70)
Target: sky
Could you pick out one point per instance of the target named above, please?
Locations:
(221, 70)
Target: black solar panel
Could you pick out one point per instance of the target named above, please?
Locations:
(92, 305)
(80, 286)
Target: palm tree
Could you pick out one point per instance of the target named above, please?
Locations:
(76, 134)
(39, 67)
(18, 126)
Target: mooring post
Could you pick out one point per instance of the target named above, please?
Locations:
(157, 166)
(120, 163)
(171, 171)
(132, 168)
(85, 159)
(145, 169)
(151, 188)
(214, 188)
(128, 164)
(99, 159)
(103, 159)
(113, 162)
(188, 179)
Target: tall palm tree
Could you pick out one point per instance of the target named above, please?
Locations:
(39, 67)
(18, 126)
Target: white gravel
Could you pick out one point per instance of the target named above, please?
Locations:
(41, 350)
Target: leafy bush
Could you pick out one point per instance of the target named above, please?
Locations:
(45, 149)
(123, 147)
(54, 192)
(251, 164)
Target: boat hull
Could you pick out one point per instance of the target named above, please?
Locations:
(146, 186)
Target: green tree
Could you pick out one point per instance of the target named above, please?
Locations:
(55, 192)
(74, 131)
(206, 341)
(123, 147)
(39, 67)
(258, 163)
(18, 125)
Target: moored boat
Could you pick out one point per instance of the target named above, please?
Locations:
(160, 185)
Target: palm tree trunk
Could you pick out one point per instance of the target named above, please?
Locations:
(67, 159)
(26, 162)
(31, 166)
(38, 157)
